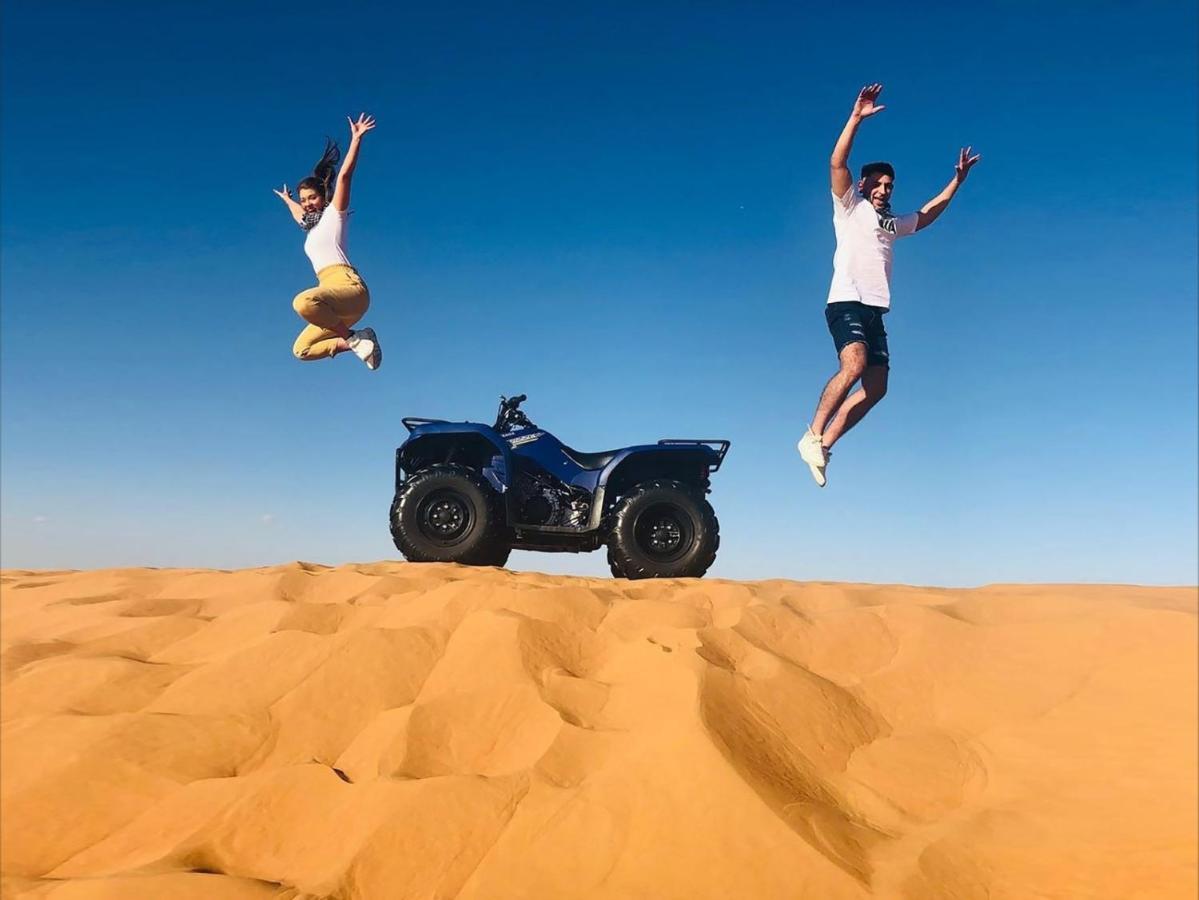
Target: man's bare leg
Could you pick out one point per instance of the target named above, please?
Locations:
(853, 365)
(813, 447)
(860, 402)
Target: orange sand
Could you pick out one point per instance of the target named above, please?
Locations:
(397, 731)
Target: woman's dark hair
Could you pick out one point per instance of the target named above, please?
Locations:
(321, 179)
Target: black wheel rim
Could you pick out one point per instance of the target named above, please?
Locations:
(445, 517)
(664, 533)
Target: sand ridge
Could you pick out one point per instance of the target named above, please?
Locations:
(391, 730)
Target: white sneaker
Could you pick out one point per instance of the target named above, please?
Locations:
(814, 454)
(365, 345)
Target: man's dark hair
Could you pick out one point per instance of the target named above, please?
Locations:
(878, 168)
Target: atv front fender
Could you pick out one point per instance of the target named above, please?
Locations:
(463, 443)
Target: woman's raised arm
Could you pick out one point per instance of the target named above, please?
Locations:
(297, 211)
(341, 193)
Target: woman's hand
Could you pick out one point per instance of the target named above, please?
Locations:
(297, 211)
(364, 124)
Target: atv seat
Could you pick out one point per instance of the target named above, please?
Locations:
(590, 460)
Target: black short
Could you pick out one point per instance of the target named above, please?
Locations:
(851, 322)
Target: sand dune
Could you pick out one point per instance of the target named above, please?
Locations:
(402, 731)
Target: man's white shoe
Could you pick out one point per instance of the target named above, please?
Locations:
(365, 345)
(815, 454)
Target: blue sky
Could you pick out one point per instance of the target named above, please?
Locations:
(620, 209)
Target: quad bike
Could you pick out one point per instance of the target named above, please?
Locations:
(469, 493)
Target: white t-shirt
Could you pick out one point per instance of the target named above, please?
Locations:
(862, 263)
(326, 241)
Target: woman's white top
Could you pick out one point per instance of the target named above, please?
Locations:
(326, 241)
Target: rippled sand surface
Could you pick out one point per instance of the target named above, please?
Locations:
(401, 731)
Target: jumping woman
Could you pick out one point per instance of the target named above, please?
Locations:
(341, 297)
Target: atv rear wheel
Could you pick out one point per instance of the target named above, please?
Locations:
(663, 529)
(448, 514)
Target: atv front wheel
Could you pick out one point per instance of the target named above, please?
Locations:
(663, 529)
(499, 558)
(448, 514)
(614, 565)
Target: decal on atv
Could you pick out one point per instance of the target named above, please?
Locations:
(524, 439)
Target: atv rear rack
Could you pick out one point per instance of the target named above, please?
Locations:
(721, 448)
(411, 422)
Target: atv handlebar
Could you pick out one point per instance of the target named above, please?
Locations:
(510, 418)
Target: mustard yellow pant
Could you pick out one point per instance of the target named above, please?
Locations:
(340, 298)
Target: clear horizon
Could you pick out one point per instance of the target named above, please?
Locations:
(623, 212)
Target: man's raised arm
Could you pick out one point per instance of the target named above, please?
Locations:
(936, 206)
(863, 108)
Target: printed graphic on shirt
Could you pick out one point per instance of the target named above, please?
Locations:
(886, 219)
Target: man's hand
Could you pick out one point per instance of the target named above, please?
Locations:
(965, 163)
(865, 106)
(936, 206)
(364, 124)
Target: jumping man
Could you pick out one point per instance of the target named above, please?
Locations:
(861, 289)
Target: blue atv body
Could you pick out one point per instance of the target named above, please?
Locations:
(469, 493)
